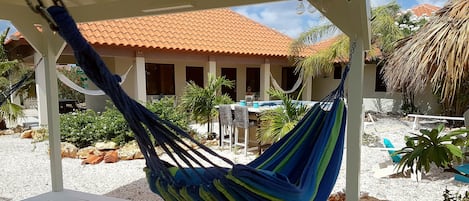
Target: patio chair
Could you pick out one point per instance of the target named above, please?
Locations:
(242, 121)
(226, 125)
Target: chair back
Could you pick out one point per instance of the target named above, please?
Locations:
(226, 116)
(241, 117)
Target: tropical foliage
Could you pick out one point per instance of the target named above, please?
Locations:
(432, 147)
(11, 71)
(319, 61)
(200, 102)
(279, 121)
(436, 55)
(166, 109)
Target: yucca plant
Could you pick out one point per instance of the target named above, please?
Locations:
(432, 147)
(279, 121)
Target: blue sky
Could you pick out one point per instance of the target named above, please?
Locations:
(282, 17)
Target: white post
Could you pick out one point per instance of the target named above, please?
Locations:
(141, 78)
(41, 89)
(265, 80)
(212, 66)
(308, 89)
(354, 122)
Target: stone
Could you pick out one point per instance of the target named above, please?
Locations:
(27, 134)
(93, 159)
(130, 151)
(18, 129)
(106, 145)
(39, 134)
(8, 132)
(84, 153)
(111, 157)
(68, 150)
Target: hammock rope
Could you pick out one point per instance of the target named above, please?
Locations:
(303, 165)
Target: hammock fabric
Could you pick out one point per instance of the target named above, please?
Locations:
(302, 166)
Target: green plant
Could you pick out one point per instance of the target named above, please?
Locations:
(432, 147)
(79, 128)
(11, 71)
(279, 121)
(76, 75)
(165, 108)
(200, 102)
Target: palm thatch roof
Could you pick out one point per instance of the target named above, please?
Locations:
(437, 54)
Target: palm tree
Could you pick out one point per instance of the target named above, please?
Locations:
(318, 61)
(201, 101)
(279, 121)
(11, 71)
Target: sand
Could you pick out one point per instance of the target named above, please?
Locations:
(25, 171)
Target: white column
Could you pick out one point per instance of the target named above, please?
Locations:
(40, 78)
(354, 122)
(212, 66)
(265, 80)
(50, 58)
(308, 89)
(141, 80)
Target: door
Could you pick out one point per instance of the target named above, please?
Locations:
(230, 74)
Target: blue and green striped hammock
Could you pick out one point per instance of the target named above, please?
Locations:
(303, 165)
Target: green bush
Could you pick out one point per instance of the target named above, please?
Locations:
(165, 108)
(85, 128)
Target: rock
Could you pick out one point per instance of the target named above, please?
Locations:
(39, 134)
(27, 134)
(106, 145)
(8, 132)
(111, 157)
(84, 153)
(93, 159)
(130, 151)
(68, 150)
(18, 129)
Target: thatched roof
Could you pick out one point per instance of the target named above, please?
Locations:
(437, 54)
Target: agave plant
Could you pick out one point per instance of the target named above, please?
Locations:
(279, 121)
(432, 147)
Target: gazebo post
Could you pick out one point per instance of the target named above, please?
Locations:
(354, 121)
(50, 57)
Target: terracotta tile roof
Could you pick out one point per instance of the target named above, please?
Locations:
(424, 9)
(216, 30)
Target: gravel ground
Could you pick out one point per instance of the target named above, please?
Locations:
(25, 171)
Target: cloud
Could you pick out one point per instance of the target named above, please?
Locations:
(280, 16)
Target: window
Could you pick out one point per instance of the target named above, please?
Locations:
(253, 77)
(379, 83)
(195, 74)
(160, 79)
(337, 71)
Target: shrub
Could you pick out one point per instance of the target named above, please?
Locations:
(165, 108)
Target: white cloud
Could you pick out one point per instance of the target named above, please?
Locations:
(280, 16)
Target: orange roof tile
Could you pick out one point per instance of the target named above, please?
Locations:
(424, 9)
(216, 30)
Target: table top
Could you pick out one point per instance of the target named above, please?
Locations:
(268, 105)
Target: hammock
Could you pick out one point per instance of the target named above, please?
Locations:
(64, 79)
(301, 166)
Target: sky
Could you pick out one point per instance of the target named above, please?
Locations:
(282, 16)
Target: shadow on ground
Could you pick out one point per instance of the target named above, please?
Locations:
(135, 191)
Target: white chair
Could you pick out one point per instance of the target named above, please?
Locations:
(226, 125)
(241, 120)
